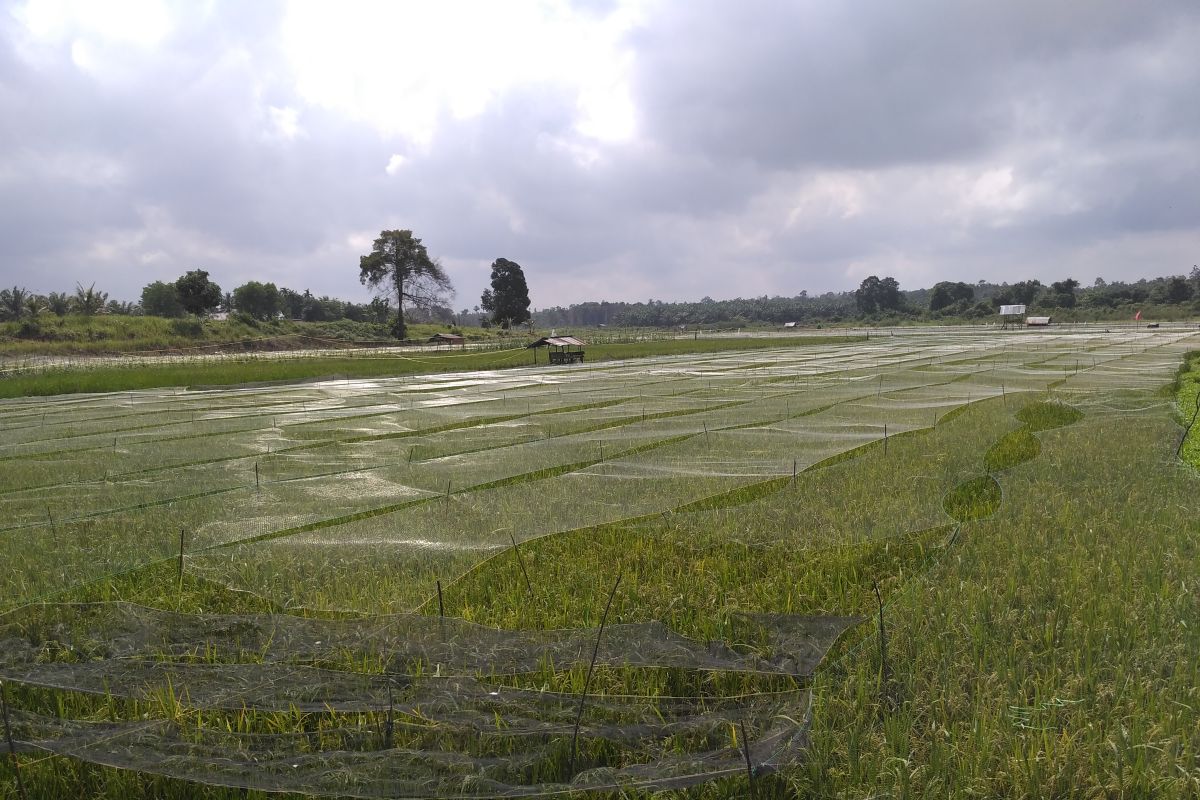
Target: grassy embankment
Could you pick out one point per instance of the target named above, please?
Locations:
(262, 368)
(76, 334)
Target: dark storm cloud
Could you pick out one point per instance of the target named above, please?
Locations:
(777, 147)
(878, 83)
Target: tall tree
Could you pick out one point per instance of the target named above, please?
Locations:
(259, 300)
(508, 299)
(161, 299)
(1178, 289)
(947, 293)
(878, 294)
(1061, 294)
(399, 266)
(1023, 292)
(197, 293)
(292, 303)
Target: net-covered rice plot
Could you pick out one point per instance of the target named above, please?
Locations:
(657, 576)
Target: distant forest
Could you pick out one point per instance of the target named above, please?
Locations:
(884, 301)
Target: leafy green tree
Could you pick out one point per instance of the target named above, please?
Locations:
(197, 293)
(377, 310)
(161, 299)
(1178, 289)
(875, 294)
(1061, 294)
(291, 303)
(322, 309)
(508, 298)
(88, 302)
(259, 300)
(400, 267)
(947, 293)
(1024, 292)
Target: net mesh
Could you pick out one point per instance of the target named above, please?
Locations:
(365, 497)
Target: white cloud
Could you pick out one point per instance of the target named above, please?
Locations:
(395, 164)
(407, 68)
(285, 123)
(143, 23)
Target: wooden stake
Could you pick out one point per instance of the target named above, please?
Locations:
(181, 535)
(256, 483)
(441, 606)
(521, 561)
(749, 766)
(884, 668)
(588, 680)
(388, 726)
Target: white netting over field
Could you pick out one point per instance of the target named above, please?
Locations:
(368, 498)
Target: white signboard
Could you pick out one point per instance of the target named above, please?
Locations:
(1013, 310)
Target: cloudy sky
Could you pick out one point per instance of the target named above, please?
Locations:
(616, 150)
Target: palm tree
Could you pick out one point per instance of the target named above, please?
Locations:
(12, 302)
(117, 307)
(88, 301)
(59, 303)
(35, 305)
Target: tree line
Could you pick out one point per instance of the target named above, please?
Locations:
(880, 299)
(398, 268)
(410, 285)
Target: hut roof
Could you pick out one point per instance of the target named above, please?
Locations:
(557, 341)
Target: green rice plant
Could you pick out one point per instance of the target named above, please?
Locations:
(973, 499)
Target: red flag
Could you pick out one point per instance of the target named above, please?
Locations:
(1138, 315)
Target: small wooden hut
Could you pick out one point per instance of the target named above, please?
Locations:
(563, 349)
(449, 339)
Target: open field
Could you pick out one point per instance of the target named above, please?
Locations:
(640, 576)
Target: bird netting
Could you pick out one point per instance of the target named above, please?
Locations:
(433, 717)
(366, 497)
